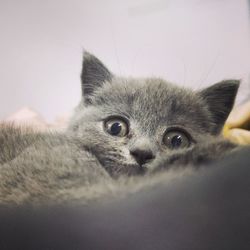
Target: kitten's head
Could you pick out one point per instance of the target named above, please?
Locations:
(128, 122)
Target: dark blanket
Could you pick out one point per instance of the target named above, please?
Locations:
(210, 210)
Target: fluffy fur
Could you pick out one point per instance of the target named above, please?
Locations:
(86, 162)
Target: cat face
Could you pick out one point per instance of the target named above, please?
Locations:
(127, 123)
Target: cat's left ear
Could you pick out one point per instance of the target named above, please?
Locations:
(93, 75)
(220, 99)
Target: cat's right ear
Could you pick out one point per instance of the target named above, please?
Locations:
(220, 99)
(93, 75)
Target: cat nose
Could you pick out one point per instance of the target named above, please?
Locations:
(142, 156)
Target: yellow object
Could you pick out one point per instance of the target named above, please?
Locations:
(237, 126)
(225, 130)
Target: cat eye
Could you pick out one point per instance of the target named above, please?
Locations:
(176, 139)
(116, 127)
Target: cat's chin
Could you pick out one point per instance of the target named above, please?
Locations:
(126, 169)
(136, 169)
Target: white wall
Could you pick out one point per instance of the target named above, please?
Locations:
(192, 42)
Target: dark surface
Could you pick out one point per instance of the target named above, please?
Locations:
(210, 210)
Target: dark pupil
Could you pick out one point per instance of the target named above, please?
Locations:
(176, 141)
(115, 128)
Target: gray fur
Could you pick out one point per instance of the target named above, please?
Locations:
(84, 162)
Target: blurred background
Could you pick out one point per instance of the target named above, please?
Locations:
(191, 42)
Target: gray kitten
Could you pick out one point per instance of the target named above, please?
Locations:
(123, 127)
